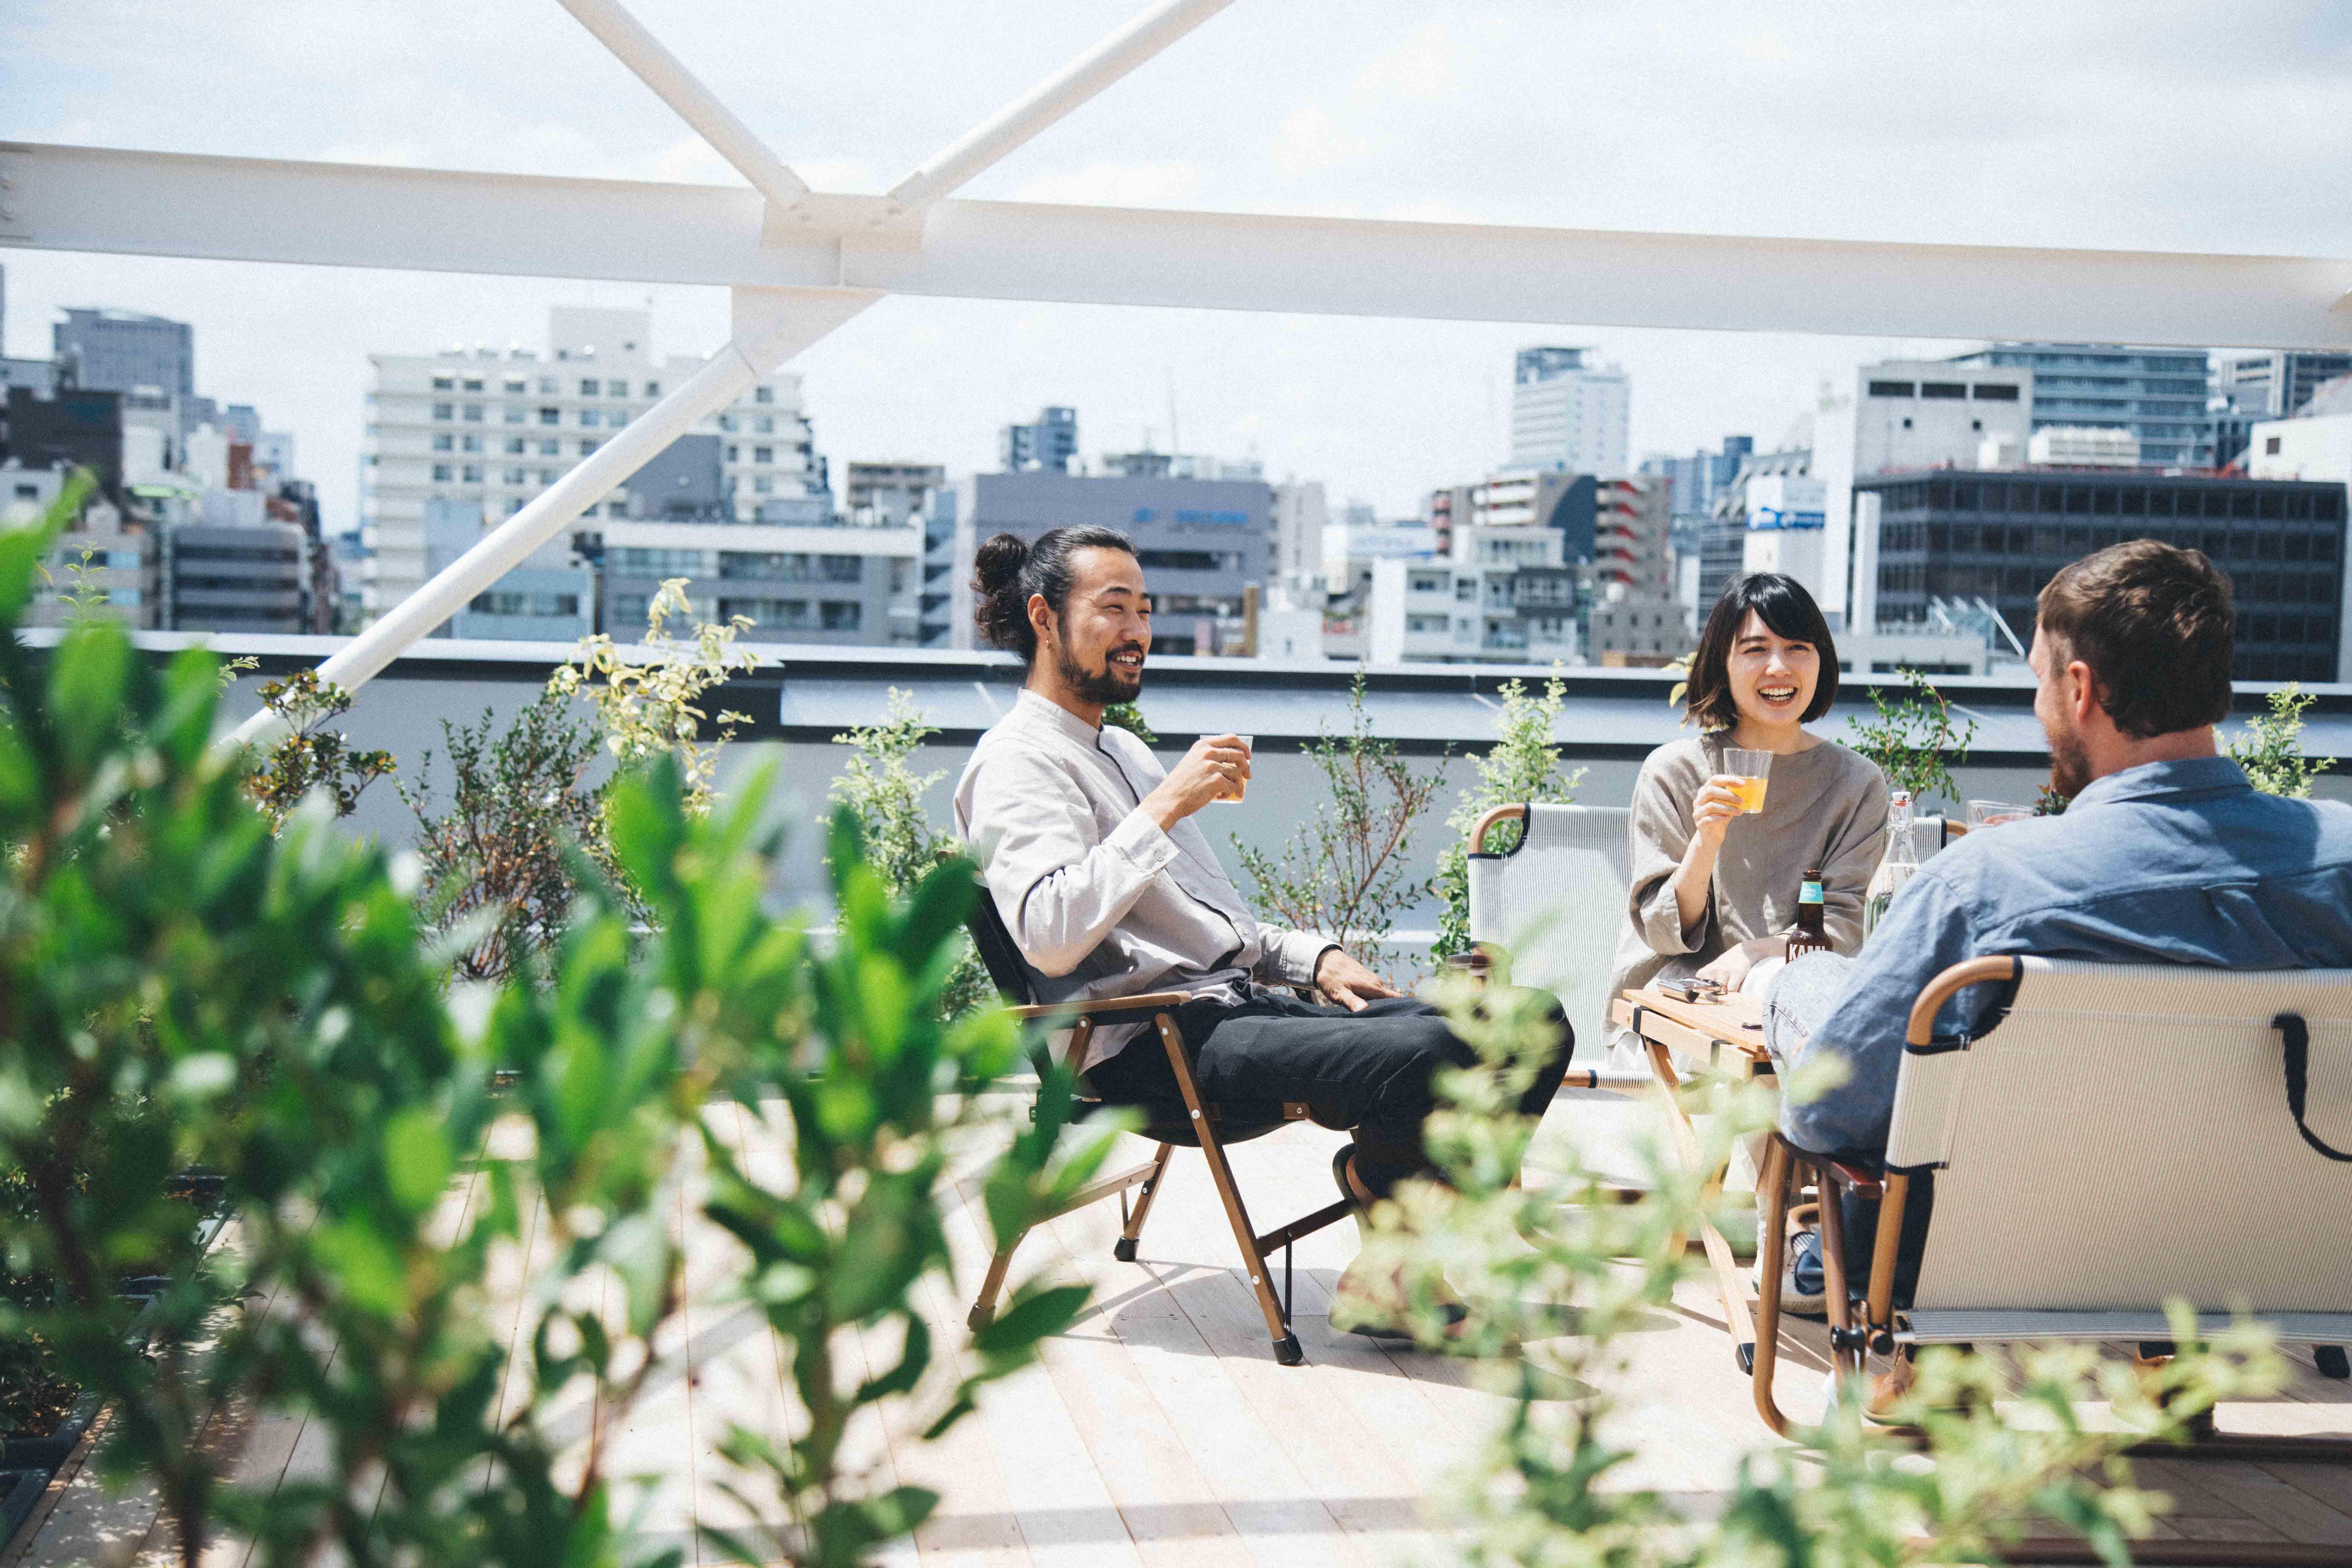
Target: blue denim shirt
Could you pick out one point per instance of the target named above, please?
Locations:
(2166, 863)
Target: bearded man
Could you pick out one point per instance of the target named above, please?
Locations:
(1108, 888)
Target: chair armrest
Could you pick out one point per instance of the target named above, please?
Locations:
(1150, 1000)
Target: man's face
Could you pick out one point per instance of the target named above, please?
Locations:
(1103, 633)
(2070, 761)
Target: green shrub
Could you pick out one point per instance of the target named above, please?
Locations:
(2270, 751)
(1522, 769)
(1916, 742)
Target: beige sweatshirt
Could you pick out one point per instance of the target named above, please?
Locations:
(1826, 807)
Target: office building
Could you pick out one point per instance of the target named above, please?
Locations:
(2000, 537)
(1693, 482)
(1050, 444)
(123, 351)
(1500, 594)
(2079, 446)
(1553, 498)
(488, 430)
(2158, 394)
(1632, 616)
(1350, 547)
(890, 492)
(917, 496)
(1566, 413)
(237, 570)
(1301, 521)
(1723, 539)
(2249, 388)
(1201, 544)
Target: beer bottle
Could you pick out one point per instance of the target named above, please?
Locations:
(1809, 935)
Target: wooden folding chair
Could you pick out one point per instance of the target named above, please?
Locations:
(2121, 1136)
(1207, 1125)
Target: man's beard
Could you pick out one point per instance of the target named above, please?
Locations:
(1108, 685)
(2070, 764)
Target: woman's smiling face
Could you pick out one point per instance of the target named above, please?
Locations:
(1772, 677)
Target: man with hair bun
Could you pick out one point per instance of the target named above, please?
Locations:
(1108, 888)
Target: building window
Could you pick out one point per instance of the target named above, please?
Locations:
(1891, 389)
(842, 568)
(726, 421)
(546, 476)
(515, 445)
(733, 451)
(441, 473)
(470, 444)
(1995, 392)
(765, 425)
(617, 388)
(473, 473)
(764, 454)
(443, 383)
(653, 389)
(514, 414)
(1943, 389)
(516, 477)
(473, 414)
(590, 419)
(840, 615)
(444, 410)
(586, 447)
(515, 384)
(547, 387)
(2270, 446)
(443, 441)
(550, 449)
(550, 417)
(763, 394)
(763, 485)
(473, 384)
(588, 387)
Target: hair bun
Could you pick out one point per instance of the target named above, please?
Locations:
(999, 561)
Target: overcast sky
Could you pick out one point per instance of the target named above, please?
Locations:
(2138, 124)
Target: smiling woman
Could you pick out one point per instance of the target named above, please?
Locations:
(1715, 872)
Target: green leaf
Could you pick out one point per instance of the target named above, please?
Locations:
(365, 1265)
(1013, 1331)
(417, 1158)
(87, 676)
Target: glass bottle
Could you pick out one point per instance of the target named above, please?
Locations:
(1895, 869)
(1809, 935)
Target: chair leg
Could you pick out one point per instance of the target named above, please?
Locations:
(1285, 1343)
(1846, 1355)
(1772, 1185)
(984, 1309)
(1132, 1231)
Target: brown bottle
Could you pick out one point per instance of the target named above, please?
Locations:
(1809, 935)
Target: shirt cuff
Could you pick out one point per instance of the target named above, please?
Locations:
(1297, 954)
(1144, 843)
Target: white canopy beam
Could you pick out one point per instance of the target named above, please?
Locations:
(679, 88)
(1049, 101)
(155, 203)
(771, 325)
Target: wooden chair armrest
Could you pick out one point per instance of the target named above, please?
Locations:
(1864, 1181)
(1150, 1000)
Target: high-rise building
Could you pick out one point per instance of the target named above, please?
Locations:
(2250, 389)
(2000, 537)
(1723, 539)
(486, 431)
(2158, 394)
(1050, 443)
(125, 351)
(1566, 414)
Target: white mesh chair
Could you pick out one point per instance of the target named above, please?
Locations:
(2124, 1135)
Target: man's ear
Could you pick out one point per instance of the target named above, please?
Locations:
(1041, 616)
(2083, 690)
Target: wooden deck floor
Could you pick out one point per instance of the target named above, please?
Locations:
(1159, 1430)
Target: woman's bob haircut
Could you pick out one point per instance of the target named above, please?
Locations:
(1784, 605)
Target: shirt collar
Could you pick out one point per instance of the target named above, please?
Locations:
(1045, 711)
(2160, 781)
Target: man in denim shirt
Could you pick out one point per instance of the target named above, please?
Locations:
(2165, 854)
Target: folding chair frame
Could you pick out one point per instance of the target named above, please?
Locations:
(1202, 1118)
(1852, 1343)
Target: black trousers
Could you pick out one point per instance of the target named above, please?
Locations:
(1370, 1071)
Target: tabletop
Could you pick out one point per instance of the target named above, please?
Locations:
(1735, 1020)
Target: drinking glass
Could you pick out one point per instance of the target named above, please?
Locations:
(1994, 813)
(1240, 786)
(1753, 770)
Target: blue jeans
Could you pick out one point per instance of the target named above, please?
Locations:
(1800, 1001)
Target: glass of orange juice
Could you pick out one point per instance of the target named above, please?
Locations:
(1240, 786)
(1753, 770)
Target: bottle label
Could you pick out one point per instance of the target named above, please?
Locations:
(1808, 893)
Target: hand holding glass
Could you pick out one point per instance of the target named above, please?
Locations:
(1994, 813)
(1232, 796)
(1753, 770)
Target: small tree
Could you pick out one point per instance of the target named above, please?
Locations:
(310, 755)
(1128, 717)
(506, 849)
(1916, 742)
(895, 834)
(1523, 768)
(2270, 751)
(1346, 873)
(651, 705)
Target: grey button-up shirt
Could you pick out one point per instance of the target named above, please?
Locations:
(1100, 902)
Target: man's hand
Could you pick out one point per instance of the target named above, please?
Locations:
(1732, 967)
(1349, 983)
(1213, 769)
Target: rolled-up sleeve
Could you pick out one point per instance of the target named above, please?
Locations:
(1289, 957)
(1658, 831)
(1059, 889)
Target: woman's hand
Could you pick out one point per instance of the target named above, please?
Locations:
(1732, 968)
(1712, 809)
